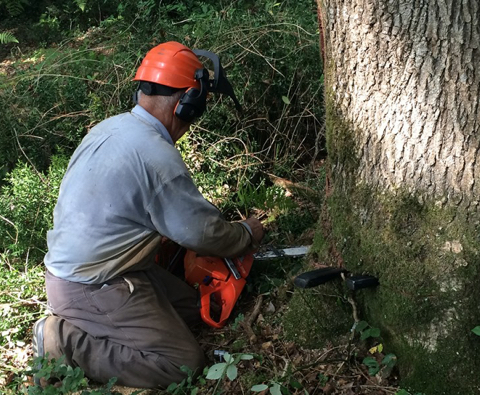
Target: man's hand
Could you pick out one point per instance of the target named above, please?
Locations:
(257, 229)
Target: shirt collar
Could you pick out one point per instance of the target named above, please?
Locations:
(149, 118)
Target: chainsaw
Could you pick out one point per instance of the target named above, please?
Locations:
(220, 281)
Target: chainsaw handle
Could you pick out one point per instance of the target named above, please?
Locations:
(226, 294)
(214, 279)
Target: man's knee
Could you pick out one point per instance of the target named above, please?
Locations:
(194, 361)
(198, 361)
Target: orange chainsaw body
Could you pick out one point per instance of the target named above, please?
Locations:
(215, 280)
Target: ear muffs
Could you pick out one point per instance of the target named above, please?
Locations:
(193, 102)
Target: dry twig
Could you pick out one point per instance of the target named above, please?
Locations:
(247, 324)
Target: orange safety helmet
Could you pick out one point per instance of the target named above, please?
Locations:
(170, 64)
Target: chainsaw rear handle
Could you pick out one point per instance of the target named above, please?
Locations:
(225, 294)
(215, 279)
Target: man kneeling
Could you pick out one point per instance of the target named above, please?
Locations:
(115, 312)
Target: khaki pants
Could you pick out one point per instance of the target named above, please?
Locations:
(134, 327)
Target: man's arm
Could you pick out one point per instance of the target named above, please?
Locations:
(179, 212)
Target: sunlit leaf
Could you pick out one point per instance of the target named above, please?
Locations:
(216, 371)
(232, 372)
(6, 37)
(275, 389)
(259, 387)
(286, 100)
(82, 4)
(228, 358)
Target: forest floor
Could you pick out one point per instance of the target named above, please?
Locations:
(283, 365)
(279, 363)
(268, 359)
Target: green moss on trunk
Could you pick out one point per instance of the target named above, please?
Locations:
(426, 254)
(313, 315)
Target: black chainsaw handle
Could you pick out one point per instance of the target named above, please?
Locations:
(321, 276)
(316, 277)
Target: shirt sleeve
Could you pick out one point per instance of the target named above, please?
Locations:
(180, 212)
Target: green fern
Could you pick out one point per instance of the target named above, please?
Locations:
(81, 4)
(6, 37)
(14, 7)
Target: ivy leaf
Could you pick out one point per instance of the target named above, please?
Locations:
(476, 330)
(361, 325)
(259, 388)
(372, 364)
(389, 360)
(216, 371)
(172, 387)
(374, 332)
(232, 372)
(365, 334)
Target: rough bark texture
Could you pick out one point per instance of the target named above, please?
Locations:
(407, 75)
(402, 81)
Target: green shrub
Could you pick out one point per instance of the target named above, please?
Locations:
(53, 98)
(26, 207)
(269, 51)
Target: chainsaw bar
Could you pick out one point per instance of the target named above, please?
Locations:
(273, 253)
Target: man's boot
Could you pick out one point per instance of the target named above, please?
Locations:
(43, 341)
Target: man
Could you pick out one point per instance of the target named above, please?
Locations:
(115, 312)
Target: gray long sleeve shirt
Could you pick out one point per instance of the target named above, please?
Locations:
(126, 186)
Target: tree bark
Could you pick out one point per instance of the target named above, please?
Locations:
(406, 75)
(402, 80)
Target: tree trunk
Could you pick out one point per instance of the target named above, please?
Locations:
(402, 80)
